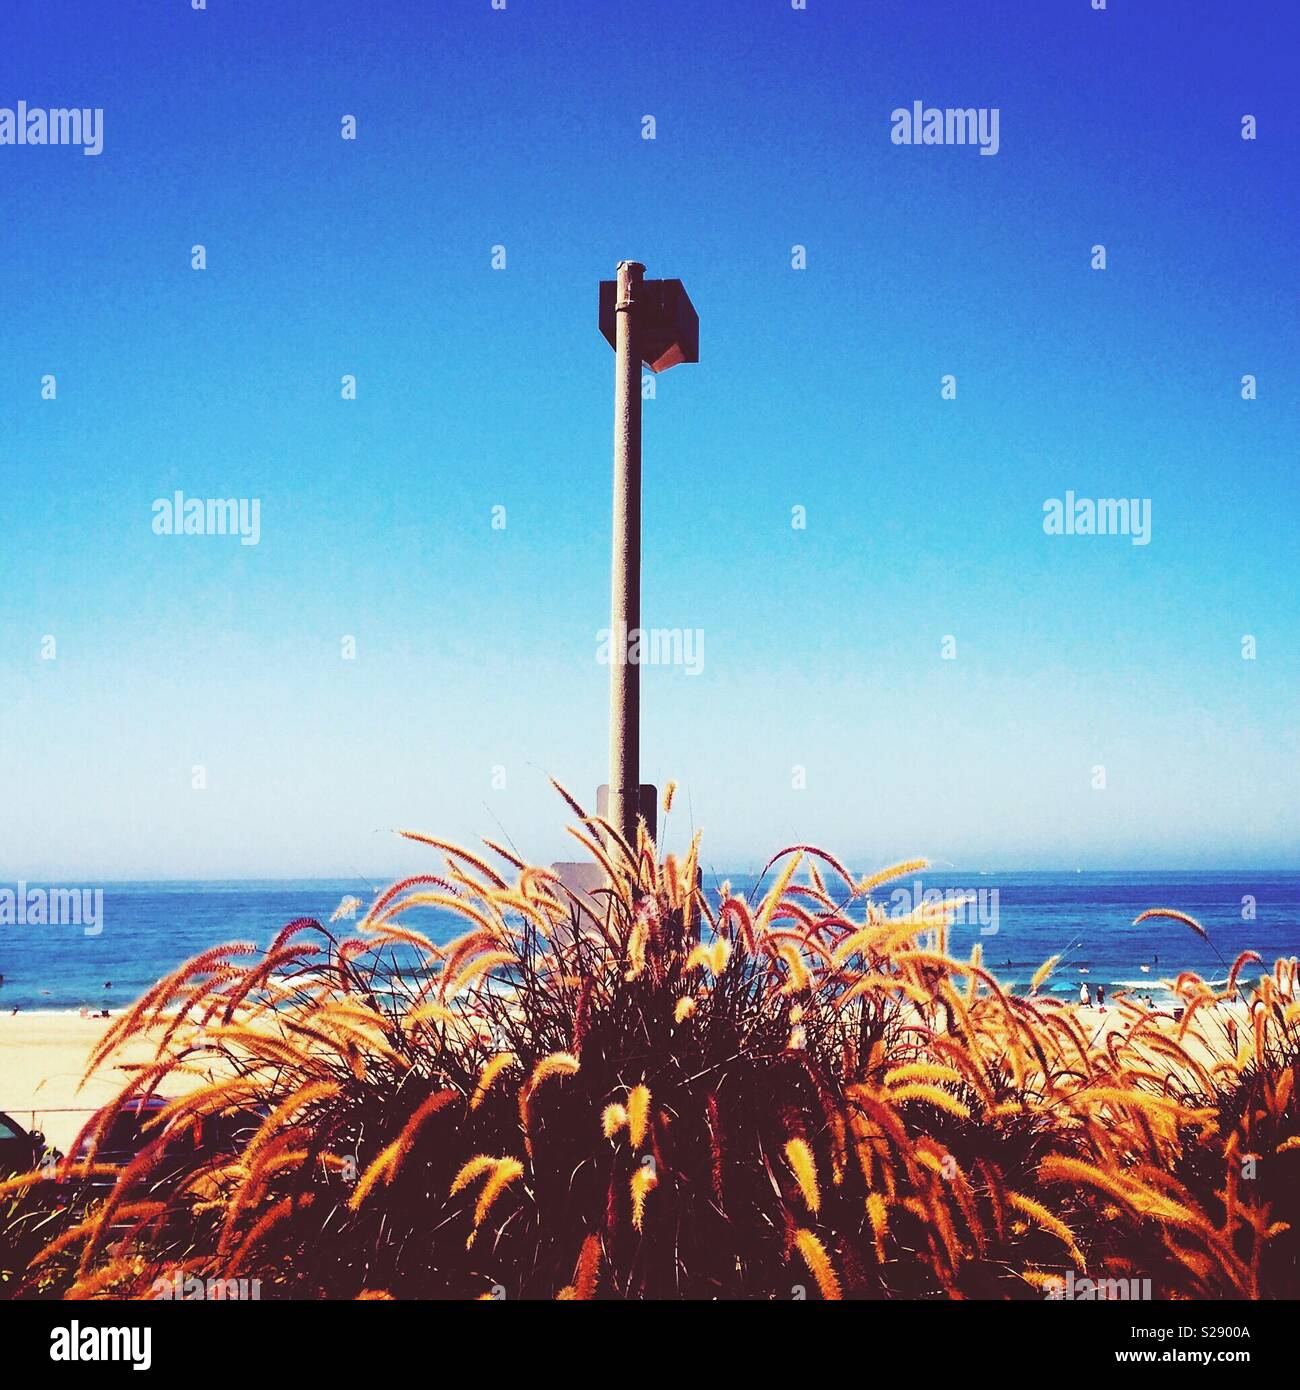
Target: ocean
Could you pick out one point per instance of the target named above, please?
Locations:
(1021, 919)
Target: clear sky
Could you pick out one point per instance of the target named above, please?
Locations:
(817, 388)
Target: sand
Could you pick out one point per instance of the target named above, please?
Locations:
(44, 1055)
(42, 1059)
(1207, 1042)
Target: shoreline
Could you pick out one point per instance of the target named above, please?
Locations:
(1066, 990)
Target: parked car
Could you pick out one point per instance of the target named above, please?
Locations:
(128, 1133)
(20, 1149)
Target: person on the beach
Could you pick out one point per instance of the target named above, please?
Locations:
(1084, 997)
(1101, 998)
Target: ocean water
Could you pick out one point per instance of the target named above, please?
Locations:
(1020, 918)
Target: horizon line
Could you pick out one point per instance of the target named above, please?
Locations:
(85, 880)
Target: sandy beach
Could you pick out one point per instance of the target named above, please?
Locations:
(42, 1059)
(1207, 1042)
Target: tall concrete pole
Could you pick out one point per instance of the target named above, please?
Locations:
(625, 573)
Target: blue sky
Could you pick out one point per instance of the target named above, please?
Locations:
(820, 388)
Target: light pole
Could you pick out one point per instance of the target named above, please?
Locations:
(650, 321)
(625, 566)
